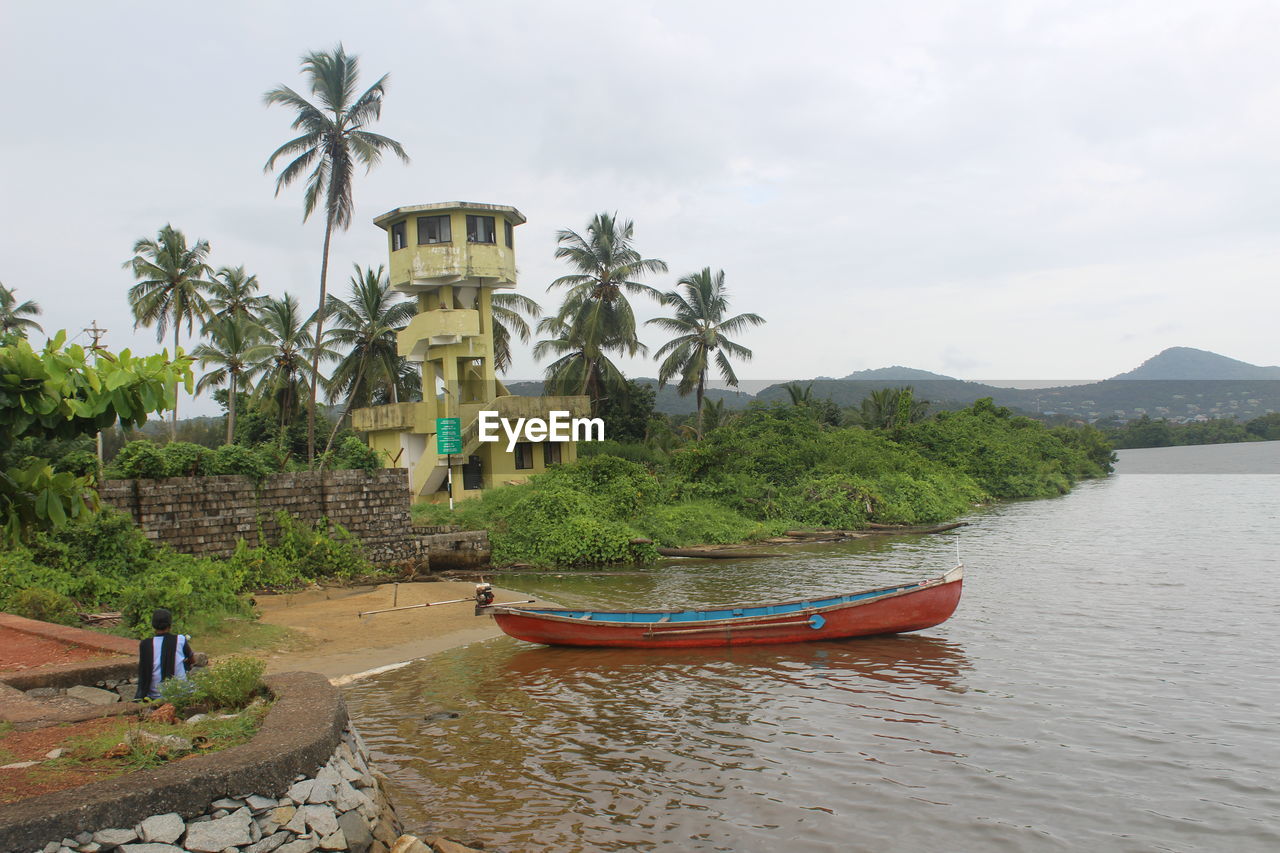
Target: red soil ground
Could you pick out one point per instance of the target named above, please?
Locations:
(15, 747)
(20, 651)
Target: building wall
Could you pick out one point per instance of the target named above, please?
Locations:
(208, 515)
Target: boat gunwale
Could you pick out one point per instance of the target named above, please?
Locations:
(955, 575)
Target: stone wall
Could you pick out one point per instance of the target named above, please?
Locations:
(208, 515)
(304, 780)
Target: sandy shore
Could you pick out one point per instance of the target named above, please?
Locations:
(338, 643)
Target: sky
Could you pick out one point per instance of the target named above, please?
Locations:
(1017, 190)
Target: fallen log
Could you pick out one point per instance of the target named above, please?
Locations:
(718, 554)
(891, 529)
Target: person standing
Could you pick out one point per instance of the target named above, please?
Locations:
(163, 656)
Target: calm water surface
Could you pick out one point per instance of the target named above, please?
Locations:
(1109, 682)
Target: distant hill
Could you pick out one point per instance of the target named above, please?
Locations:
(1190, 363)
(897, 373)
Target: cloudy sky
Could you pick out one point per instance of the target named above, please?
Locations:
(1020, 190)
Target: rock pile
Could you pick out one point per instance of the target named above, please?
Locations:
(342, 807)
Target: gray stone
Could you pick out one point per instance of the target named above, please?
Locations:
(55, 753)
(298, 823)
(162, 828)
(301, 845)
(334, 841)
(259, 803)
(52, 847)
(218, 834)
(301, 790)
(347, 772)
(322, 792)
(349, 798)
(43, 693)
(84, 837)
(322, 820)
(114, 837)
(220, 813)
(226, 803)
(136, 736)
(89, 847)
(93, 695)
(328, 776)
(255, 832)
(151, 848)
(196, 718)
(356, 831)
(268, 844)
(19, 765)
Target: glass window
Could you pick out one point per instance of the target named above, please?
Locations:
(524, 455)
(551, 453)
(433, 229)
(480, 229)
(397, 236)
(510, 233)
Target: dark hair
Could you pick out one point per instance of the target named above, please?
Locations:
(161, 619)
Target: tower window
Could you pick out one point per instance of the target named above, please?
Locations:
(510, 234)
(397, 236)
(480, 229)
(434, 229)
(551, 453)
(524, 455)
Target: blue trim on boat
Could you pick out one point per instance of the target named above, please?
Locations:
(674, 616)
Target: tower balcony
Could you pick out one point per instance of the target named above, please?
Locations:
(438, 327)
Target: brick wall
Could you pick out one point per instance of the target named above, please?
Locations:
(207, 515)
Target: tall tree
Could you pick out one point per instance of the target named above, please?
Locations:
(508, 317)
(701, 332)
(578, 368)
(596, 316)
(234, 293)
(333, 140)
(284, 362)
(172, 280)
(232, 341)
(15, 317)
(366, 325)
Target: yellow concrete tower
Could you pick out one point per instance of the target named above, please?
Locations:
(451, 257)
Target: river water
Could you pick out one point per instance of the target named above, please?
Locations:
(1110, 682)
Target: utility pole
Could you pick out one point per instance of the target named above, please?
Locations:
(97, 347)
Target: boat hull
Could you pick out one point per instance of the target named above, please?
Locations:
(905, 609)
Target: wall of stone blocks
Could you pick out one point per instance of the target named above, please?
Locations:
(208, 515)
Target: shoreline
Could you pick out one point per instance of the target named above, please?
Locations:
(344, 647)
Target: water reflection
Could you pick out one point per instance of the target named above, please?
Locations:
(902, 659)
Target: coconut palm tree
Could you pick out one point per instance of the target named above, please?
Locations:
(366, 324)
(282, 364)
(172, 280)
(508, 317)
(15, 317)
(333, 140)
(701, 329)
(233, 293)
(606, 269)
(801, 395)
(578, 368)
(233, 340)
(882, 409)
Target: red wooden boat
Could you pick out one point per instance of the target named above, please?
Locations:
(887, 610)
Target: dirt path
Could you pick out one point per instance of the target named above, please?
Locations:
(338, 643)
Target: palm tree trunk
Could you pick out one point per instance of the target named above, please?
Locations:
(231, 410)
(702, 379)
(173, 422)
(351, 396)
(315, 358)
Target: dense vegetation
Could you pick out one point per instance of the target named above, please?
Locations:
(1146, 432)
(772, 468)
(103, 562)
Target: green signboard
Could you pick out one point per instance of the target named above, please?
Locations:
(448, 435)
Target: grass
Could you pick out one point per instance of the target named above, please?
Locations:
(235, 635)
(110, 754)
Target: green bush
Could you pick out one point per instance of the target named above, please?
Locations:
(237, 459)
(353, 453)
(137, 460)
(229, 684)
(300, 553)
(701, 523)
(45, 605)
(186, 586)
(184, 459)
